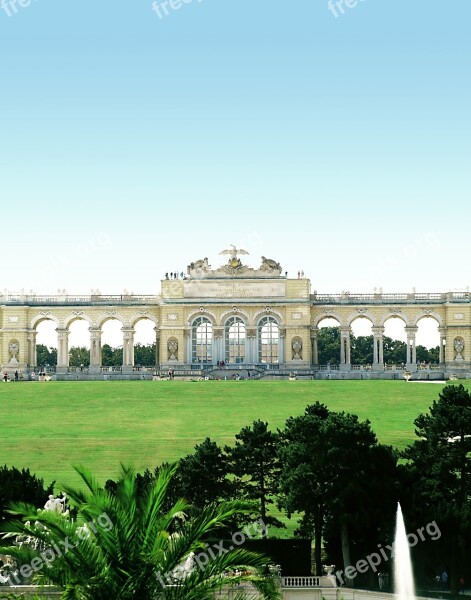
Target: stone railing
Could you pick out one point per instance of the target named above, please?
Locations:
(77, 369)
(404, 298)
(300, 582)
(65, 299)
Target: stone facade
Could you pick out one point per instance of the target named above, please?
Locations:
(238, 315)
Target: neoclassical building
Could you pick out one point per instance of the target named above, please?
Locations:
(242, 316)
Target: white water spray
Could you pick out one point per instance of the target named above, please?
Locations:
(403, 578)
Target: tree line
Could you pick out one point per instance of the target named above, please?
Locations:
(111, 357)
(361, 349)
(328, 351)
(329, 471)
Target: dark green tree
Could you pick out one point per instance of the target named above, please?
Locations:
(254, 460)
(111, 357)
(328, 344)
(394, 351)
(46, 356)
(426, 355)
(79, 356)
(361, 350)
(439, 472)
(327, 459)
(144, 355)
(202, 477)
(21, 486)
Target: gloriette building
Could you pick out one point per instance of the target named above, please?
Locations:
(252, 319)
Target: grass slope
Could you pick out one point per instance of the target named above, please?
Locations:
(50, 426)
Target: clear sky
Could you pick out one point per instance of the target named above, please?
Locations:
(133, 142)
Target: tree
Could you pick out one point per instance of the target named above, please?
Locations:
(431, 355)
(46, 356)
(328, 459)
(361, 349)
(111, 357)
(79, 356)
(394, 351)
(21, 486)
(439, 472)
(126, 546)
(255, 461)
(144, 355)
(328, 343)
(202, 477)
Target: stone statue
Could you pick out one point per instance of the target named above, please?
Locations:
(172, 346)
(14, 348)
(269, 265)
(233, 252)
(56, 504)
(199, 265)
(297, 347)
(459, 348)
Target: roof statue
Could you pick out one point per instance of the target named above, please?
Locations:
(234, 252)
(234, 262)
(200, 269)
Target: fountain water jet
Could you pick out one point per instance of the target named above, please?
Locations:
(403, 578)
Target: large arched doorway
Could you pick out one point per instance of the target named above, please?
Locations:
(362, 343)
(234, 340)
(395, 343)
(112, 344)
(79, 344)
(202, 341)
(327, 348)
(145, 348)
(428, 343)
(268, 341)
(46, 345)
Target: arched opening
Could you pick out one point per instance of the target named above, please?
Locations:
(268, 341)
(79, 344)
(202, 341)
(112, 343)
(234, 336)
(362, 342)
(394, 342)
(328, 341)
(144, 343)
(428, 342)
(46, 345)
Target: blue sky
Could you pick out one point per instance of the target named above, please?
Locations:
(131, 145)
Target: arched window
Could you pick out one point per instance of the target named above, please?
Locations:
(235, 340)
(268, 340)
(202, 341)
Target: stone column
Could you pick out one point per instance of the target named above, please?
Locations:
(95, 350)
(218, 350)
(188, 348)
(442, 332)
(282, 347)
(411, 348)
(315, 348)
(251, 345)
(157, 347)
(128, 349)
(345, 348)
(378, 347)
(32, 354)
(62, 350)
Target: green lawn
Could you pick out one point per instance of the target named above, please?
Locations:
(51, 426)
